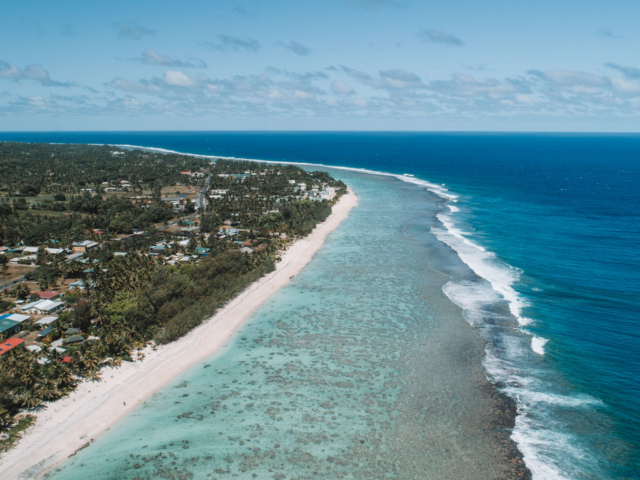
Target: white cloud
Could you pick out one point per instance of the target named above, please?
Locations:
(341, 88)
(150, 57)
(397, 80)
(434, 35)
(178, 79)
(301, 94)
(624, 86)
(296, 48)
(132, 31)
(569, 78)
(226, 43)
(36, 73)
(628, 72)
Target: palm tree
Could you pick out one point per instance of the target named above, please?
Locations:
(30, 401)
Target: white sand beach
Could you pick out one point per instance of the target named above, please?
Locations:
(70, 423)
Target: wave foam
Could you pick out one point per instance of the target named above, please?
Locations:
(485, 264)
(537, 344)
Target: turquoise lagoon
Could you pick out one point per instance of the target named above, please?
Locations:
(359, 368)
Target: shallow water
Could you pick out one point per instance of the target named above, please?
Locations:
(359, 368)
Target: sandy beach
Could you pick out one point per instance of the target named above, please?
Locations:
(69, 424)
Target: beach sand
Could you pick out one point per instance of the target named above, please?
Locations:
(71, 423)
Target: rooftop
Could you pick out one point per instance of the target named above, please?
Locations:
(84, 243)
(46, 295)
(9, 344)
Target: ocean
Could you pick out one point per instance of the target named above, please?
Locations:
(534, 236)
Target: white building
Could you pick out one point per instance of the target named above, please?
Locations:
(46, 321)
(42, 307)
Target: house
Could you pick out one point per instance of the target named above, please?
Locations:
(46, 321)
(246, 250)
(120, 254)
(33, 258)
(202, 250)
(42, 307)
(73, 339)
(10, 323)
(45, 332)
(228, 231)
(48, 306)
(79, 284)
(29, 307)
(8, 327)
(52, 251)
(83, 246)
(10, 344)
(48, 295)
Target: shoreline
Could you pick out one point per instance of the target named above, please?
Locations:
(71, 423)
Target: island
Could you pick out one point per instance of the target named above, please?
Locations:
(110, 253)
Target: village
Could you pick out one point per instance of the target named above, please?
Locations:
(93, 269)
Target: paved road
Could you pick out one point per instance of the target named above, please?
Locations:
(201, 198)
(4, 286)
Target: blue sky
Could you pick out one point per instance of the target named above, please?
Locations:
(320, 65)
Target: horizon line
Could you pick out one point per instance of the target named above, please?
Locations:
(500, 132)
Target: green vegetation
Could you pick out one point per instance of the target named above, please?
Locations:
(158, 268)
(16, 432)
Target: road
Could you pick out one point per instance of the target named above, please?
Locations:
(201, 198)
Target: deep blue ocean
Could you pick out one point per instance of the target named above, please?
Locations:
(552, 223)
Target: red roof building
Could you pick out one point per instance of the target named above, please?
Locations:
(9, 344)
(66, 360)
(48, 295)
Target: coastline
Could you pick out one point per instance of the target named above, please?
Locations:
(73, 422)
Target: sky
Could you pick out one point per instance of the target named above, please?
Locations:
(451, 65)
